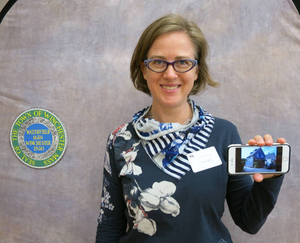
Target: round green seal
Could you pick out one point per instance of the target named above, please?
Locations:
(38, 138)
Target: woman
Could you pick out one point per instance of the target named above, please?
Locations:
(150, 193)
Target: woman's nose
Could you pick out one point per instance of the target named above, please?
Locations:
(170, 73)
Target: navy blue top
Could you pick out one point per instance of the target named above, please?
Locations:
(141, 203)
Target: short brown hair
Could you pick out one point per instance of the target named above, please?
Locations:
(167, 24)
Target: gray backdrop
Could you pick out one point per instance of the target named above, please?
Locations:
(72, 58)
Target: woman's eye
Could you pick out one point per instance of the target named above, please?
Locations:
(158, 62)
(182, 62)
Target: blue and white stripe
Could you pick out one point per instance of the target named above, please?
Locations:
(180, 166)
(156, 139)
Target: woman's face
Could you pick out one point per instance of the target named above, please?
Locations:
(170, 88)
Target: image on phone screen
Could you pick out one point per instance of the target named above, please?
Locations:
(258, 159)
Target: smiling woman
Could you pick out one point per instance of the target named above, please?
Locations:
(150, 188)
(170, 88)
(165, 25)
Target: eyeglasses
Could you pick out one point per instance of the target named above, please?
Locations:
(180, 66)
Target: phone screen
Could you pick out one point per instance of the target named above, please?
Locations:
(258, 159)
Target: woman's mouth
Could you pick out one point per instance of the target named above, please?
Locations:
(170, 87)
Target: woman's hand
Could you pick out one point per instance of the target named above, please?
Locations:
(267, 140)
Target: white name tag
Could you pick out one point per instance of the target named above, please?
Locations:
(204, 159)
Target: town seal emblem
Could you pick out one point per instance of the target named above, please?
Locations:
(38, 138)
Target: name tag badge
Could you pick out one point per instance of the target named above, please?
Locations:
(204, 159)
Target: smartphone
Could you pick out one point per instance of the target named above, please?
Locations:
(247, 159)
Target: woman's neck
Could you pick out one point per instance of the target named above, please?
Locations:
(181, 114)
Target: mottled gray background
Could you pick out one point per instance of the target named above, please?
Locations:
(72, 58)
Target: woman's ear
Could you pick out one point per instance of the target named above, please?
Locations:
(144, 69)
(196, 72)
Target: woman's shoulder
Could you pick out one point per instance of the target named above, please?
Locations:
(125, 130)
(221, 123)
(225, 131)
(224, 128)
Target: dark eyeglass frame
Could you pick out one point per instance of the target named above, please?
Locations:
(194, 63)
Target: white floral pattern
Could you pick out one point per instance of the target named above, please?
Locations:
(107, 165)
(130, 167)
(139, 202)
(105, 204)
(120, 132)
(157, 197)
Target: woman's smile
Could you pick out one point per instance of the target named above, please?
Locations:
(169, 87)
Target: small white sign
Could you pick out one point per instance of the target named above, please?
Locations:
(204, 159)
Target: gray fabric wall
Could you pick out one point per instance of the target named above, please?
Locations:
(72, 58)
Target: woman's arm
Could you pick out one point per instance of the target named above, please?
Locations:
(111, 220)
(250, 202)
